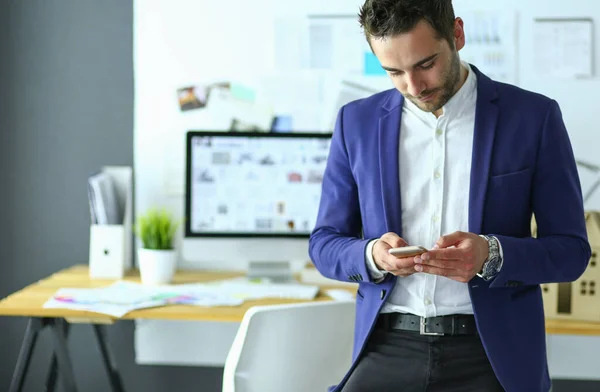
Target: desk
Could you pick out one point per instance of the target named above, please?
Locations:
(29, 302)
(568, 327)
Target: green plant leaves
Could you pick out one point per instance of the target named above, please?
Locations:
(156, 229)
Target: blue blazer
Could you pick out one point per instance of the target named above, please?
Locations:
(522, 164)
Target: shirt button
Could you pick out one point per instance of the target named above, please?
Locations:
(437, 174)
(427, 301)
(439, 132)
(382, 294)
(435, 218)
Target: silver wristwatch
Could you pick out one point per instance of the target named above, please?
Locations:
(492, 265)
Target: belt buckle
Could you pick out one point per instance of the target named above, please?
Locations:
(422, 329)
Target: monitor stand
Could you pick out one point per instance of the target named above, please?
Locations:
(275, 271)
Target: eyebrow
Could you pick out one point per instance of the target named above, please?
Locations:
(425, 60)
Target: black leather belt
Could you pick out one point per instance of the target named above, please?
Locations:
(457, 324)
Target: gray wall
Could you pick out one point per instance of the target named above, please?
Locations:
(66, 109)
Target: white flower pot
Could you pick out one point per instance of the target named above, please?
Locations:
(157, 266)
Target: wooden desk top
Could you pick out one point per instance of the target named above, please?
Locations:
(28, 302)
(572, 327)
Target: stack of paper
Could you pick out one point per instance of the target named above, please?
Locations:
(104, 205)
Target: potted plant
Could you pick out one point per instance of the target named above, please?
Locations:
(156, 256)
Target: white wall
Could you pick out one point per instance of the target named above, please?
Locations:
(183, 42)
(186, 42)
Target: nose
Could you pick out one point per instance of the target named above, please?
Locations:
(414, 86)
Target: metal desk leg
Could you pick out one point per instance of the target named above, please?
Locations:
(34, 325)
(62, 356)
(53, 371)
(111, 367)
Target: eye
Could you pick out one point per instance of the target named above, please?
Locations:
(429, 66)
(395, 73)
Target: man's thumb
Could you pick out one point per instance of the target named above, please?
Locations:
(394, 240)
(448, 240)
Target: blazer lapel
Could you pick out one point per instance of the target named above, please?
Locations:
(389, 137)
(486, 118)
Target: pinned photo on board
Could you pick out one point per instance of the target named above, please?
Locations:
(192, 97)
(242, 126)
(282, 124)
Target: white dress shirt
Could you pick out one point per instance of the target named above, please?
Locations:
(435, 166)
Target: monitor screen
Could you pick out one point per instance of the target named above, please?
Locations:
(254, 184)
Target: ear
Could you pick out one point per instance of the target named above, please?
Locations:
(459, 34)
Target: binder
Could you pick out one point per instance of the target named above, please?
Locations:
(110, 252)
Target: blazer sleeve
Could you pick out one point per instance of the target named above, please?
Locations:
(561, 251)
(336, 246)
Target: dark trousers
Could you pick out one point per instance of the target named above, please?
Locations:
(403, 361)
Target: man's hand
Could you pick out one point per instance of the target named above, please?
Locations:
(397, 266)
(458, 256)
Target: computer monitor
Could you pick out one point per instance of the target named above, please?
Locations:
(251, 197)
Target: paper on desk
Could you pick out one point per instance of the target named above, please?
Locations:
(246, 289)
(114, 300)
(123, 297)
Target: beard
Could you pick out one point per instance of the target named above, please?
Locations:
(449, 87)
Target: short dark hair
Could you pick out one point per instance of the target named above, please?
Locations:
(388, 18)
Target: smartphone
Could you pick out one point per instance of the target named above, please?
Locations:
(407, 251)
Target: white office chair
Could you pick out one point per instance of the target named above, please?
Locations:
(294, 348)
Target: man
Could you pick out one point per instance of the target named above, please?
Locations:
(457, 163)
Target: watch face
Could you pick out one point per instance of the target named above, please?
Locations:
(491, 267)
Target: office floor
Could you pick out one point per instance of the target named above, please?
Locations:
(574, 386)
